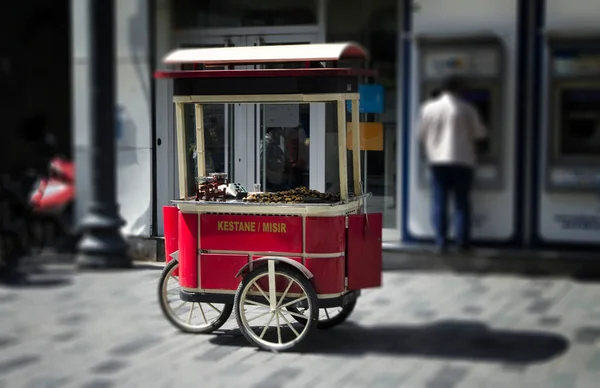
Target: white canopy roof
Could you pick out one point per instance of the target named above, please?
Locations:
(265, 54)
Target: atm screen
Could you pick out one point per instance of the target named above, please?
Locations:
(481, 99)
(579, 131)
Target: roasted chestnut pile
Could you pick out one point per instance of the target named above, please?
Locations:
(297, 195)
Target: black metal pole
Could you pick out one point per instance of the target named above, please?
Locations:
(102, 245)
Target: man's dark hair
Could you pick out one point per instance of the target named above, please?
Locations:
(453, 84)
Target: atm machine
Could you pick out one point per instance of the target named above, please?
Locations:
(569, 196)
(480, 61)
(573, 117)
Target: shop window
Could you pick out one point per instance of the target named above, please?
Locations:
(188, 14)
(374, 24)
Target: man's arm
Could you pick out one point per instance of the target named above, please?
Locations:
(424, 124)
(478, 130)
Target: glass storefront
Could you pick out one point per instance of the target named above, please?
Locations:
(192, 14)
(374, 25)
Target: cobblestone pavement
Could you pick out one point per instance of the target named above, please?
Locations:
(418, 330)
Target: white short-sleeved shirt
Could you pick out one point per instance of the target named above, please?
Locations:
(449, 128)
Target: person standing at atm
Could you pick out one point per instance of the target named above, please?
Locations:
(449, 129)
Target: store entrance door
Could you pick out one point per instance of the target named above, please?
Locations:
(277, 145)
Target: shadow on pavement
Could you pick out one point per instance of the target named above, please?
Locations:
(143, 266)
(41, 274)
(40, 281)
(577, 267)
(451, 340)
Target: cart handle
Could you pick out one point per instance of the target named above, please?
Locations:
(365, 196)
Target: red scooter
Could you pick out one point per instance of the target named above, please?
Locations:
(52, 202)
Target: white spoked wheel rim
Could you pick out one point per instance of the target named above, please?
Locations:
(275, 327)
(327, 314)
(195, 317)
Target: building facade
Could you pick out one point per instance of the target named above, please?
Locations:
(536, 183)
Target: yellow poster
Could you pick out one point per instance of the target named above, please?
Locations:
(371, 136)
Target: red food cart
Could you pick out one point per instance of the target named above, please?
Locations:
(296, 259)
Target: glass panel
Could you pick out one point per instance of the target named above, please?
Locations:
(332, 160)
(284, 136)
(218, 133)
(373, 24)
(218, 140)
(189, 14)
(284, 146)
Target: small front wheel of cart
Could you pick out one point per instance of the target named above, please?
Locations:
(328, 317)
(261, 307)
(189, 317)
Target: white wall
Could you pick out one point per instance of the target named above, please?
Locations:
(493, 213)
(572, 14)
(134, 168)
(567, 15)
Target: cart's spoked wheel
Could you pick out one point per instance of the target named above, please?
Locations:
(190, 317)
(261, 307)
(328, 317)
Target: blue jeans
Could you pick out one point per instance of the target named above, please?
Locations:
(455, 180)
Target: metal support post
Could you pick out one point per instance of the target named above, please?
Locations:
(102, 245)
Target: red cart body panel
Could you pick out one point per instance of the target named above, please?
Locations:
(329, 274)
(188, 250)
(170, 222)
(364, 253)
(171, 228)
(249, 233)
(217, 271)
(325, 234)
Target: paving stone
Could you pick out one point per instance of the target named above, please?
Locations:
(18, 362)
(135, 346)
(75, 319)
(99, 383)
(534, 293)
(216, 353)
(587, 335)
(425, 314)
(549, 321)
(65, 337)
(448, 377)
(7, 341)
(386, 380)
(540, 306)
(472, 310)
(109, 367)
(279, 378)
(562, 380)
(7, 297)
(594, 361)
(49, 382)
(381, 302)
